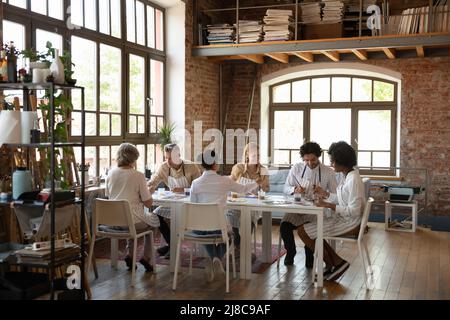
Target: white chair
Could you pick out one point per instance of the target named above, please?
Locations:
(204, 217)
(367, 265)
(112, 213)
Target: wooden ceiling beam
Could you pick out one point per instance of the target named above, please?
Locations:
(389, 52)
(307, 56)
(280, 57)
(420, 51)
(256, 58)
(361, 54)
(223, 58)
(333, 55)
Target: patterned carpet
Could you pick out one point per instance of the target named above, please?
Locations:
(103, 251)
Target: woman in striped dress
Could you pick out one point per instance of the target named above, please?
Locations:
(347, 205)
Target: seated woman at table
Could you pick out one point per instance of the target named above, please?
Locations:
(249, 171)
(177, 174)
(302, 178)
(213, 188)
(347, 205)
(126, 183)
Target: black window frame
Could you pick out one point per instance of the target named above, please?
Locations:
(32, 20)
(354, 106)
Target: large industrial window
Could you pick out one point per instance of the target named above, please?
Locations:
(361, 111)
(118, 51)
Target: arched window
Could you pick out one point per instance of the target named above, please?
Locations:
(359, 110)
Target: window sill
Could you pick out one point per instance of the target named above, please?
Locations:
(383, 178)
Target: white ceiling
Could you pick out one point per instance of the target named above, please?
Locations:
(166, 3)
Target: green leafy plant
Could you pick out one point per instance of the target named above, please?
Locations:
(165, 134)
(63, 108)
(66, 60)
(48, 56)
(33, 55)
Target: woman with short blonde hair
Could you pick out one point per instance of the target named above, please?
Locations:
(127, 154)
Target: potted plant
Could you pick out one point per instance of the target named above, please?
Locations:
(66, 59)
(63, 108)
(165, 134)
(40, 60)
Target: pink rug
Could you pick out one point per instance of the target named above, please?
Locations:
(103, 251)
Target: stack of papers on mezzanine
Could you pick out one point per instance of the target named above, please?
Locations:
(311, 12)
(278, 25)
(250, 31)
(333, 11)
(220, 33)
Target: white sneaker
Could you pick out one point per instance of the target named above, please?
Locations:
(218, 267)
(209, 270)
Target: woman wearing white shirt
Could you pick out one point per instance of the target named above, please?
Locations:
(126, 183)
(248, 171)
(302, 178)
(213, 188)
(347, 205)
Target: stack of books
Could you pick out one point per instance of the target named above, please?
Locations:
(311, 12)
(221, 33)
(333, 11)
(250, 31)
(278, 25)
(353, 5)
(28, 255)
(442, 16)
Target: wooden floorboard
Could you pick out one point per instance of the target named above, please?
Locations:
(410, 265)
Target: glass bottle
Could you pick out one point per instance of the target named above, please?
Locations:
(35, 132)
(12, 64)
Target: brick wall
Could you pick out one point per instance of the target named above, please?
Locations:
(425, 110)
(202, 81)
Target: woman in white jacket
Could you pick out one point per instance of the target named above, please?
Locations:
(347, 205)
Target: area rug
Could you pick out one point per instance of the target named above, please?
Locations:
(103, 251)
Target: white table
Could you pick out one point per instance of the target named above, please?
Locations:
(250, 204)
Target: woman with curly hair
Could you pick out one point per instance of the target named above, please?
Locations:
(347, 205)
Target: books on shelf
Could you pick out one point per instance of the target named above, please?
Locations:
(250, 31)
(333, 11)
(311, 12)
(442, 16)
(353, 5)
(278, 25)
(417, 20)
(28, 255)
(220, 33)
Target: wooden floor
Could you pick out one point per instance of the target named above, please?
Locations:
(407, 265)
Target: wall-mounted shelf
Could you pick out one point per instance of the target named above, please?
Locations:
(336, 49)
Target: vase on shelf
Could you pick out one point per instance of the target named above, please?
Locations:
(57, 68)
(12, 68)
(21, 182)
(86, 177)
